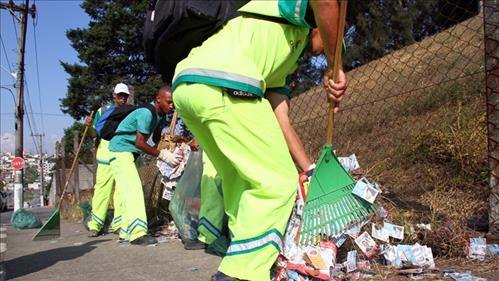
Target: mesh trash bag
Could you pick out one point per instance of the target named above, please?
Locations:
(24, 219)
(185, 203)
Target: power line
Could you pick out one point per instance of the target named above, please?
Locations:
(38, 113)
(31, 130)
(28, 98)
(5, 53)
(38, 75)
(14, 23)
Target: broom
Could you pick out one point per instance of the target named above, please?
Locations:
(330, 208)
(52, 227)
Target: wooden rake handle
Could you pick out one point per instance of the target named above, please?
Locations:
(75, 160)
(336, 67)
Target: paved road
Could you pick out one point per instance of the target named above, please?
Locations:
(74, 256)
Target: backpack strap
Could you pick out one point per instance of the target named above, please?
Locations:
(154, 120)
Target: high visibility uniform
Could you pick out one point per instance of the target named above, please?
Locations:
(122, 149)
(241, 136)
(211, 212)
(104, 182)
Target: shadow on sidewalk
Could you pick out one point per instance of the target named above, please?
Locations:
(35, 262)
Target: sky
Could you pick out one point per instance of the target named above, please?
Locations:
(46, 80)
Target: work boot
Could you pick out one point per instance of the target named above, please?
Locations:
(220, 276)
(194, 244)
(144, 241)
(122, 240)
(94, 233)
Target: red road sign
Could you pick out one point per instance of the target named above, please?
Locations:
(18, 163)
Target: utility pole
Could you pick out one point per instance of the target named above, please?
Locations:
(23, 11)
(42, 177)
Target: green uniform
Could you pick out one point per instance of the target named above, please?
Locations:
(241, 136)
(211, 212)
(104, 182)
(122, 149)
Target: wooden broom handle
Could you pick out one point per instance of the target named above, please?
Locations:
(173, 124)
(75, 160)
(336, 67)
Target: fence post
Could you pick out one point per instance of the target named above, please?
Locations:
(491, 31)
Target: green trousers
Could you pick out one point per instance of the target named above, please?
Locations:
(126, 175)
(104, 182)
(245, 144)
(211, 212)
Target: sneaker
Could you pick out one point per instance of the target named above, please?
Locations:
(219, 276)
(122, 240)
(194, 244)
(94, 233)
(144, 240)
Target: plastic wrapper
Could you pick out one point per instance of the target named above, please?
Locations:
(185, 203)
(477, 248)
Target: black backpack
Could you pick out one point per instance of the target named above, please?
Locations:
(173, 27)
(111, 118)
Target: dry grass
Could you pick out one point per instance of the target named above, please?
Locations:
(70, 209)
(416, 121)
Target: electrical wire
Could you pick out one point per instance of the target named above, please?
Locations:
(15, 27)
(37, 113)
(38, 78)
(5, 54)
(31, 130)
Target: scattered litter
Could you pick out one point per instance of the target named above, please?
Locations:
(367, 245)
(493, 250)
(351, 264)
(365, 190)
(463, 276)
(423, 226)
(194, 269)
(477, 248)
(350, 163)
(395, 231)
(78, 244)
(379, 233)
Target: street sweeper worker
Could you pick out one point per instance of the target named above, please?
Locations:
(104, 180)
(131, 139)
(218, 92)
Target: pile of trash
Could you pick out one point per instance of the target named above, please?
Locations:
(171, 175)
(358, 250)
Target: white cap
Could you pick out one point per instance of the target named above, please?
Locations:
(121, 88)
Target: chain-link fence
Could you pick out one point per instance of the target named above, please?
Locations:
(491, 28)
(416, 116)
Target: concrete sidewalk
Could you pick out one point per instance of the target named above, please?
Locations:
(74, 256)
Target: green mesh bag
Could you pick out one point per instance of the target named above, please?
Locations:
(24, 219)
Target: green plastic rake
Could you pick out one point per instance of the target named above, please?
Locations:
(330, 207)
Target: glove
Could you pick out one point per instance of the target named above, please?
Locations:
(305, 175)
(169, 157)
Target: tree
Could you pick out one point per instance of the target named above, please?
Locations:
(31, 174)
(86, 152)
(110, 51)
